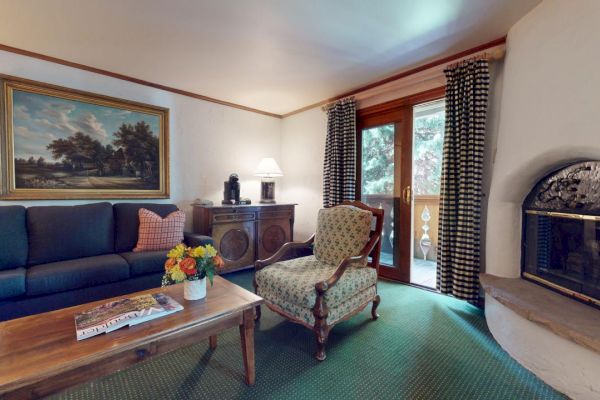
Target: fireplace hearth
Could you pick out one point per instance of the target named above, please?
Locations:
(561, 232)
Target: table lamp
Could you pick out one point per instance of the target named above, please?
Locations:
(267, 169)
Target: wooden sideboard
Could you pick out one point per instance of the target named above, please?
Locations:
(244, 234)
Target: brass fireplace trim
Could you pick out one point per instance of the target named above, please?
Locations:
(563, 289)
(564, 215)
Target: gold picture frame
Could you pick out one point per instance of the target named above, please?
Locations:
(62, 143)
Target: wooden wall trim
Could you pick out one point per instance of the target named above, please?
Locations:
(197, 96)
(404, 74)
(116, 75)
(390, 106)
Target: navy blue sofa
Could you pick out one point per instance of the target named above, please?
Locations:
(53, 257)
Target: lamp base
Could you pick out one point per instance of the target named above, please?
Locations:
(267, 192)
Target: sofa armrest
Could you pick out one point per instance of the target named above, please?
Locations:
(195, 239)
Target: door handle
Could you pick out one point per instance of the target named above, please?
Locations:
(407, 195)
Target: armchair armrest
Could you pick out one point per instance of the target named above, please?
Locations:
(323, 286)
(283, 250)
(195, 239)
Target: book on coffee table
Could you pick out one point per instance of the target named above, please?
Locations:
(124, 312)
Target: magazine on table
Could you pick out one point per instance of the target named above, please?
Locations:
(125, 312)
(169, 306)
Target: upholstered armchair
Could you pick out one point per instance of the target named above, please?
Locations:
(335, 283)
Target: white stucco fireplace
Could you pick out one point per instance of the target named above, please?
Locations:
(550, 321)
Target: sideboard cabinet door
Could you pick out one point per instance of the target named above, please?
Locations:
(244, 234)
(274, 230)
(235, 243)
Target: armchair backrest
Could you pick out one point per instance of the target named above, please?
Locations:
(343, 231)
(376, 231)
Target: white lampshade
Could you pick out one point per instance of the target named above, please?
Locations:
(268, 168)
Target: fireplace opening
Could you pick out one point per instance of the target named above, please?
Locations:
(561, 232)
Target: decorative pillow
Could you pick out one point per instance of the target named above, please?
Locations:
(342, 232)
(156, 233)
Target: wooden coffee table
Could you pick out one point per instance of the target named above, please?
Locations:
(40, 355)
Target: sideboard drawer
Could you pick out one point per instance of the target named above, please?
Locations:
(284, 214)
(226, 218)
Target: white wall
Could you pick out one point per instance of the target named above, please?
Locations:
(207, 141)
(302, 151)
(549, 112)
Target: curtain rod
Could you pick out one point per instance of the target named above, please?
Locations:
(328, 106)
(494, 54)
(494, 43)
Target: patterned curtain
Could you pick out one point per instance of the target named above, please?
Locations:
(339, 169)
(461, 190)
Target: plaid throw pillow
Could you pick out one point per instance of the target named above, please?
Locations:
(156, 233)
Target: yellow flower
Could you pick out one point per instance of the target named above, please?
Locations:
(211, 251)
(177, 252)
(177, 274)
(197, 252)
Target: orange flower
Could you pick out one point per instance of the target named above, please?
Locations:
(171, 262)
(219, 263)
(188, 265)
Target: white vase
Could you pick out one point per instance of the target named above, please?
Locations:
(194, 290)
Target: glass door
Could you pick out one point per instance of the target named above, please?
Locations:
(403, 180)
(428, 143)
(377, 182)
(383, 147)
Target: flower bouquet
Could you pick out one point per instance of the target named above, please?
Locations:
(191, 265)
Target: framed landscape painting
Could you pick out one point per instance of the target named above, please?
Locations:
(61, 143)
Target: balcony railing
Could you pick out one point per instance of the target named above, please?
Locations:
(421, 225)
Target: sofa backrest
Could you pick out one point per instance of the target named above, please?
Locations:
(13, 237)
(58, 233)
(127, 222)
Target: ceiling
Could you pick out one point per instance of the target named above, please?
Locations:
(272, 55)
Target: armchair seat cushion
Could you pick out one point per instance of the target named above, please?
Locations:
(336, 311)
(293, 281)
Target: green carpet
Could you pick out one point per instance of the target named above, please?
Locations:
(423, 346)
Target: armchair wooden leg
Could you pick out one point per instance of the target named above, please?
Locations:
(321, 342)
(257, 314)
(376, 302)
(320, 311)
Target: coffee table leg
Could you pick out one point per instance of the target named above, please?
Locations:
(212, 341)
(247, 337)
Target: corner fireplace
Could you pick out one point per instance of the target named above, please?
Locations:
(561, 232)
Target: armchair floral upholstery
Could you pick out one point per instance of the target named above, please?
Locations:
(336, 282)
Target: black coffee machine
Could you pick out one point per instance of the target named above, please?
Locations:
(231, 190)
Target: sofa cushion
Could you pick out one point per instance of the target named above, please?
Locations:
(294, 281)
(75, 274)
(59, 233)
(342, 232)
(145, 263)
(127, 222)
(13, 237)
(12, 283)
(195, 239)
(157, 233)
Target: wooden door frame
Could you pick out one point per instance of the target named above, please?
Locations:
(399, 112)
